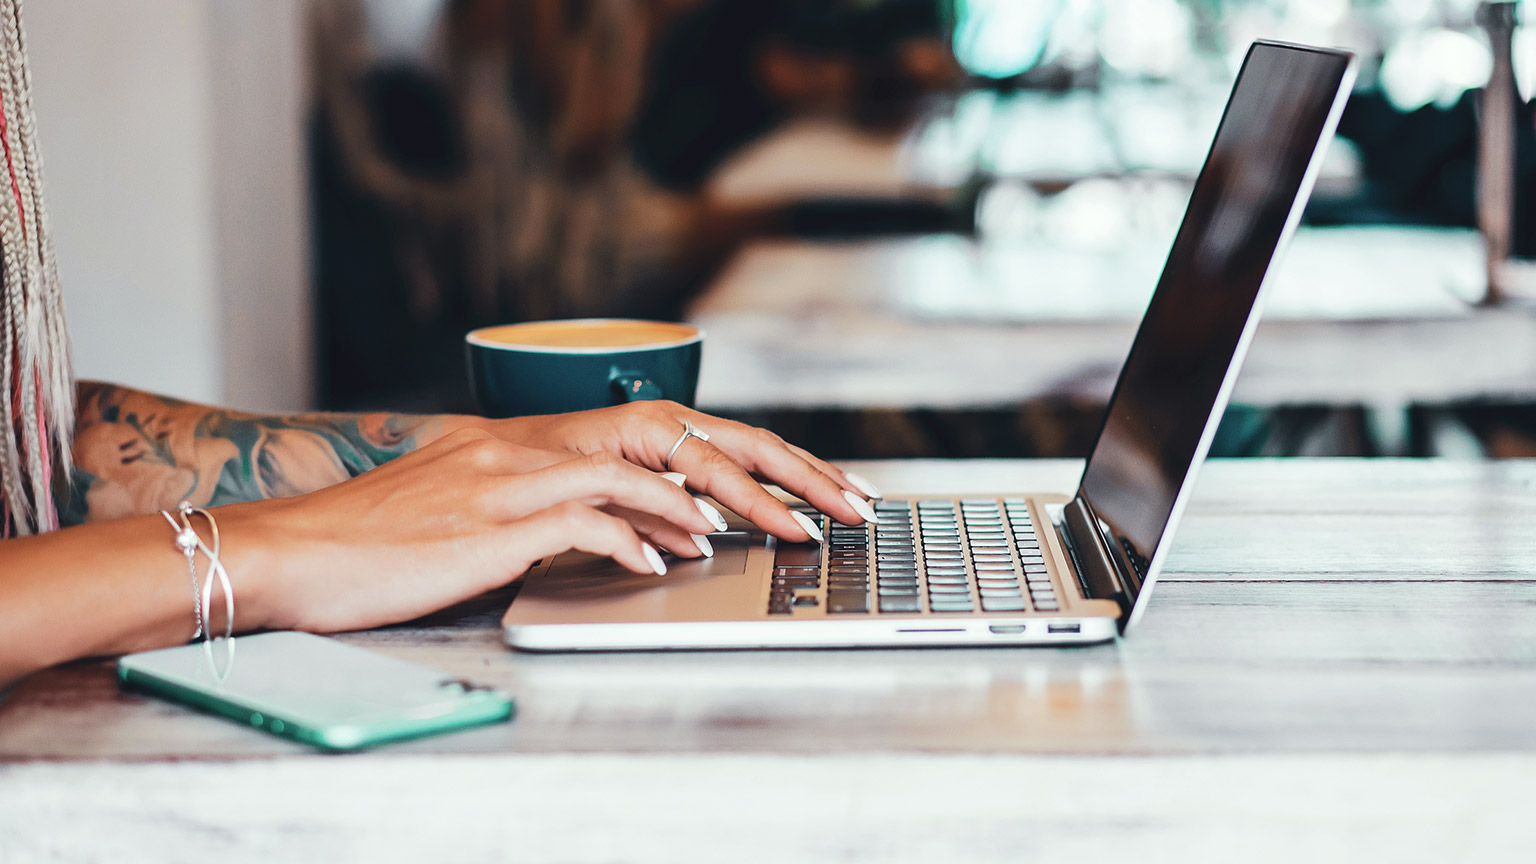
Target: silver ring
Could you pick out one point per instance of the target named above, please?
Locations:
(689, 431)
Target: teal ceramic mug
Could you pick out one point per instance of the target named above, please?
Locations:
(551, 367)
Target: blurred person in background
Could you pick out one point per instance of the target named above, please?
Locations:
(541, 158)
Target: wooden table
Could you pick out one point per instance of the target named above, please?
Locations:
(1340, 661)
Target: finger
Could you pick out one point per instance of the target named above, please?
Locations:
(766, 455)
(713, 472)
(599, 480)
(572, 525)
(663, 534)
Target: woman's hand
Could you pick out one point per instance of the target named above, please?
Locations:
(723, 467)
(448, 522)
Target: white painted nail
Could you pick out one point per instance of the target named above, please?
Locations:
(711, 514)
(862, 507)
(868, 488)
(704, 545)
(653, 558)
(679, 479)
(808, 525)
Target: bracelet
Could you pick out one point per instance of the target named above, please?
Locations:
(190, 543)
(186, 541)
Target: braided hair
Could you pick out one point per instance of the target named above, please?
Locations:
(36, 385)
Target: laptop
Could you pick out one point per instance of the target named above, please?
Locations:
(1016, 568)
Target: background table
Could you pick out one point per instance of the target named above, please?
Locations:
(811, 338)
(1341, 660)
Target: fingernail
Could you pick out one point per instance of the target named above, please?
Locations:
(808, 525)
(704, 545)
(862, 507)
(868, 488)
(679, 479)
(653, 558)
(711, 514)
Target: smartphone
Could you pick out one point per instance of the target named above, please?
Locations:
(314, 690)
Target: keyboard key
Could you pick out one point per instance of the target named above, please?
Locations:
(901, 604)
(951, 607)
(948, 589)
(806, 600)
(1002, 604)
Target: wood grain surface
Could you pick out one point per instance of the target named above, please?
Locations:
(1340, 661)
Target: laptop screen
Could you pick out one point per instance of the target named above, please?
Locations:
(1175, 381)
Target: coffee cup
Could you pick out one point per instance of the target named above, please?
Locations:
(551, 367)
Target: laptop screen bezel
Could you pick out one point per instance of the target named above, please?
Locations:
(1135, 590)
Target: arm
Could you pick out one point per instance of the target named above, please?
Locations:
(458, 506)
(431, 528)
(136, 453)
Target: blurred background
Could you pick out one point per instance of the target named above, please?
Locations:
(909, 227)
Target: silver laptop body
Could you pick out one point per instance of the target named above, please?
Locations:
(1013, 568)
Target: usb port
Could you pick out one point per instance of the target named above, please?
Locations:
(1063, 628)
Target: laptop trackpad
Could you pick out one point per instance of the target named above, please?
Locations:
(580, 587)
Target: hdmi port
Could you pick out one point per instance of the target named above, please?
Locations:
(1063, 628)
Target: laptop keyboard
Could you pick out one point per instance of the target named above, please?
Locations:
(938, 556)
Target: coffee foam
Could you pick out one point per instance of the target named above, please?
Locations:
(588, 334)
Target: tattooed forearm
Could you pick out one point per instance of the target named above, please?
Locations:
(137, 453)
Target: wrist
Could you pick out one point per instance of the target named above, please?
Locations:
(257, 564)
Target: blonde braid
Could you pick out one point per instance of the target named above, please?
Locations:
(57, 378)
(13, 318)
(35, 445)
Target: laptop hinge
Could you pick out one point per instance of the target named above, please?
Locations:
(1096, 566)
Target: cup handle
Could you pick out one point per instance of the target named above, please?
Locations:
(634, 387)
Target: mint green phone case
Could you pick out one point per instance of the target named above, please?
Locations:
(315, 690)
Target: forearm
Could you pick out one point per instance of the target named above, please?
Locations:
(136, 453)
(116, 587)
